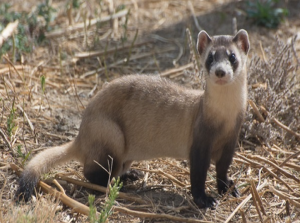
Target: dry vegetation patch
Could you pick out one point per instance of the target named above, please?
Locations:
(64, 51)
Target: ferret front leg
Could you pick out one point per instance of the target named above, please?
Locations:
(200, 161)
(222, 166)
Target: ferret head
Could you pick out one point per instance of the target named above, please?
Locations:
(223, 57)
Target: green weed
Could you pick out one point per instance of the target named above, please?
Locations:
(47, 12)
(11, 124)
(124, 26)
(107, 207)
(22, 155)
(19, 41)
(29, 31)
(264, 13)
(43, 83)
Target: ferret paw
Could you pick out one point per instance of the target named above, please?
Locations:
(132, 175)
(205, 202)
(224, 187)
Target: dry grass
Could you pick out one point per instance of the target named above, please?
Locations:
(77, 61)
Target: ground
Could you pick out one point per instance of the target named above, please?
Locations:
(150, 37)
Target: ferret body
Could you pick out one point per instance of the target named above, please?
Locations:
(140, 117)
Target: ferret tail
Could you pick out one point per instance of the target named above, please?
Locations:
(40, 164)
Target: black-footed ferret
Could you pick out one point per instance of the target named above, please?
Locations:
(141, 117)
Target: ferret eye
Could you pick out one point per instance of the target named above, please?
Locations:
(232, 58)
(210, 59)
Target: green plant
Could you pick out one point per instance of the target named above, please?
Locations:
(11, 125)
(43, 83)
(125, 25)
(22, 155)
(47, 12)
(264, 12)
(19, 41)
(107, 207)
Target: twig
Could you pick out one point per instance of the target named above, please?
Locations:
(234, 26)
(254, 198)
(5, 138)
(108, 51)
(290, 157)
(285, 128)
(129, 197)
(156, 216)
(165, 174)
(17, 67)
(92, 22)
(28, 120)
(73, 204)
(257, 197)
(284, 172)
(243, 216)
(135, 57)
(284, 196)
(176, 70)
(145, 179)
(191, 7)
(262, 52)
(8, 31)
(59, 186)
(244, 202)
(256, 111)
(8, 60)
(266, 169)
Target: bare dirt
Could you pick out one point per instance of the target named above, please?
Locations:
(73, 76)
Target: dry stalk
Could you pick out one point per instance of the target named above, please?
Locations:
(26, 116)
(129, 197)
(191, 7)
(284, 172)
(241, 205)
(255, 204)
(16, 67)
(256, 164)
(59, 186)
(11, 64)
(82, 55)
(285, 128)
(73, 204)
(262, 52)
(256, 111)
(176, 70)
(257, 197)
(290, 157)
(119, 62)
(5, 139)
(284, 196)
(65, 31)
(244, 219)
(293, 166)
(173, 179)
(156, 216)
(8, 31)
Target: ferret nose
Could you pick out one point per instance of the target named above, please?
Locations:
(220, 73)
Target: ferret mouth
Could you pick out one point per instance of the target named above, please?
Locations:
(221, 82)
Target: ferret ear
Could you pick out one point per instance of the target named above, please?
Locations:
(242, 40)
(203, 41)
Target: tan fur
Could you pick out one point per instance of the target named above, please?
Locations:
(163, 129)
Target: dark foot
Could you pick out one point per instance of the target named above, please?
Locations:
(205, 202)
(223, 187)
(132, 175)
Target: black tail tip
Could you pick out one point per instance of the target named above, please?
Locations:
(23, 194)
(26, 188)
